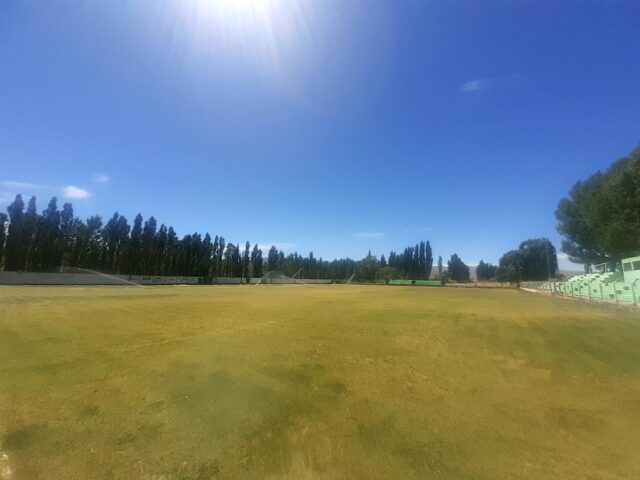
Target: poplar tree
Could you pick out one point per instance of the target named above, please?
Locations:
(29, 235)
(245, 261)
(15, 251)
(3, 237)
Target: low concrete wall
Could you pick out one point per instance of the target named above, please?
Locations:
(41, 278)
(228, 280)
(38, 278)
(153, 280)
(290, 281)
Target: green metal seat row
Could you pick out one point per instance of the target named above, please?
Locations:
(607, 286)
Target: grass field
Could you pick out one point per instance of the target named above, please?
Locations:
(322, 382)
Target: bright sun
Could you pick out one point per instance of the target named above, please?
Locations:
(255, 28)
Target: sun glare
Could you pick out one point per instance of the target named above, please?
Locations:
(308, 51)
(244, 27)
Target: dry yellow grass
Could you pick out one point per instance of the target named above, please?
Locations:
(322, 382)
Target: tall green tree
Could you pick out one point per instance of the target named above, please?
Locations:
(236, 260)
(147, 246)
(535, 259)
(15, 250)
(135, 247)
(600, 219)
(428, 262)
(206, 258)
(116, 236)
(246, 264)
(93, 254)
(257, 261)
(486, 271)
(273, 259)
(67, 233)
(220, 261)
(29, 235)
(4, 220)
(458, 270)
(171, 255)
(49, 238)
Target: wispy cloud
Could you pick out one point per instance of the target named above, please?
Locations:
(26, 188)
(478, 84)
(25, 185)
(368, 235)
(100, 178)
(71, 191)
(475, 85)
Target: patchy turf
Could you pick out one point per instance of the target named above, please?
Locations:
(326, 382)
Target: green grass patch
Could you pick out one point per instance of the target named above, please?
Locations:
(317, 382)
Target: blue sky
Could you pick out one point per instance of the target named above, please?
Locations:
(328, 126)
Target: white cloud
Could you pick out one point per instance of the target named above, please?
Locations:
(284, 246)
(475, 85)
(368, 235)
(71, 191)
(562, 256)
(100, 178)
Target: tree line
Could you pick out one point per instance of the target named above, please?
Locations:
(55, 239)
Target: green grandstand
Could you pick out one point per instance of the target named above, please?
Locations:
(622, 286)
